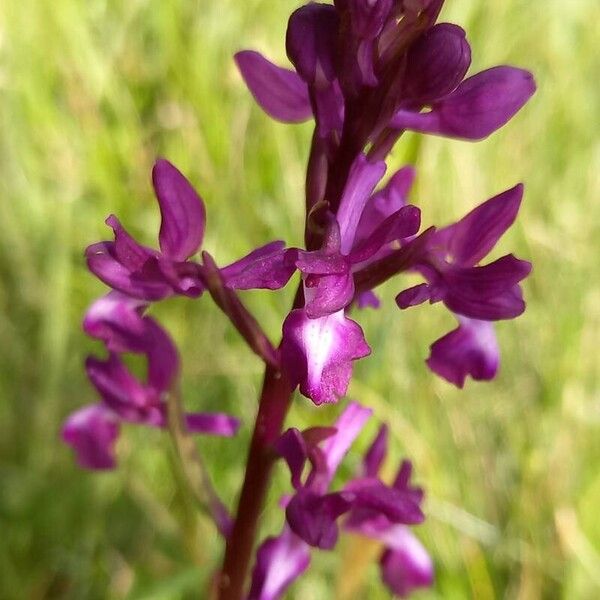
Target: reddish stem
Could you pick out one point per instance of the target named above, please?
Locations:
(275, 400)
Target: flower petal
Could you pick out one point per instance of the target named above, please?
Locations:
(348, 426)
(402, 224)
(487, 293)
(414, 296)
(327, 294)
(478, 107)
(267, 267)
(376, 453)
(368, 298)
(279, 92)
(386, 201)
(103, 263)
(116, 320)
(92, 432)
(470, 349)
(318, 353)
(374, 497)
(311, 40)
(362, 179)
(436, 63)
(313, 517)
(292, 448)
(405, 564)
(123, 393)
(127, 251)
(219, 424)
(473, 237)
(182, 212)
(279, 562)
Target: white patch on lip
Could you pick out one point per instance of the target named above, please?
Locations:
(320, 339)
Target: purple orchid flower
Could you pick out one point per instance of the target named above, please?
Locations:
(93, 430)
(370, 507)
(319, 341)
(405, 564)
(475, 294)
(150, 275)
(470, 349)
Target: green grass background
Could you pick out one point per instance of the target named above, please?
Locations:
(90, 93)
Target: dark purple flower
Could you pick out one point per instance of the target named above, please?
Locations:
(145, 273)
(319, 341)
(279, 562)
(470, 349)
(363, 230)
(371, 508)
(311, 41)
(92, 431)
(449, 265)
(475, 293)
(405, 564)
(282, 559)
(150, 275)
(312, 513)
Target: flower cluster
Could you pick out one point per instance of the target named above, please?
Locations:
(365, 506)
(366, 71)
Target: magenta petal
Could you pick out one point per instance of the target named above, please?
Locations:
(368, 298)
(163, 358)
(313, 517)
(414, 296)
(386, 201)
(292, 448)
(487, 293)
(102, 262)
(182, 212)
(318, 262)
(473, 237)
(329, 108)
(279, 92)
(478, 107)
(212, 424)
(116, 320)
(362, 179)
(126, 250)
(327, 294)
(91, 432)
(310, 42)
(318, 353)
(279, 562)
(405, 564)
(122, 392)
(348, 426)
(402, 224)
(367, 18)
(267, 267)
(470, 349)
(436, 63)
(376, 453)
(507, 304)
(397, 506)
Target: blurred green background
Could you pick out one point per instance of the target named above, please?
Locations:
(90, 93)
